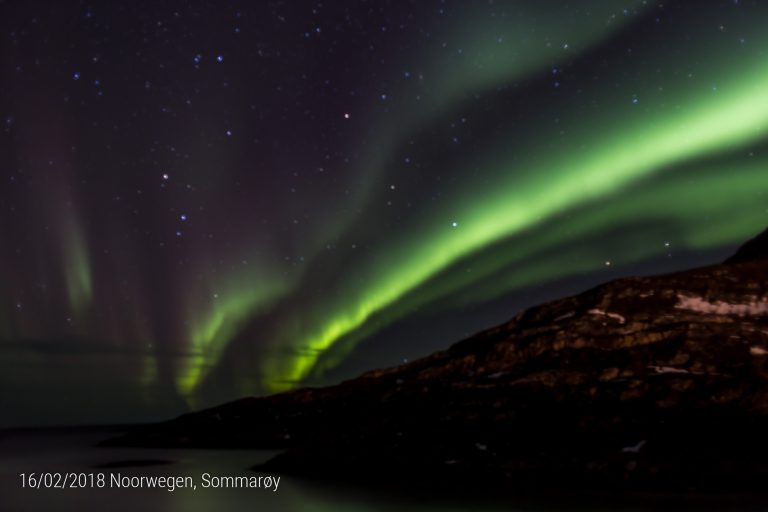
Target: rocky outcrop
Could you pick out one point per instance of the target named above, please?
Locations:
(645, 382)
(755, 249)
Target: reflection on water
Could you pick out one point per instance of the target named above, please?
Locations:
(75, 451)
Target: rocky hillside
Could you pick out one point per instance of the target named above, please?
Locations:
(648, 382)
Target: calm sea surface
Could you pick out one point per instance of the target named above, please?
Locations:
(74, 452)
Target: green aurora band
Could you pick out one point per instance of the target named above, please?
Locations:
(707, 219)
(77, 269)
(485, 52)
(508, 50)
(570, 175)
(228, 309)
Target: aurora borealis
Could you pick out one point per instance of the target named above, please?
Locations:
(206, 200)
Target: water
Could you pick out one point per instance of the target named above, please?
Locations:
(68, 451)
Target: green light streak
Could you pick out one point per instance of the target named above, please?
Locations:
(562, 247)
(492, 51)
(706, 125)
(484, 53)
(707, 218)
(229, 307)
(77, 269)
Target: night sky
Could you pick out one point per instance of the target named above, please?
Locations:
(205, 200)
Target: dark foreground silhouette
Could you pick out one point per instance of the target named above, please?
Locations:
(648, 383)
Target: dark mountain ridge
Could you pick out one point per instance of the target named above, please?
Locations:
(642, 383)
